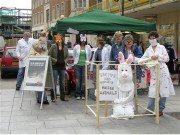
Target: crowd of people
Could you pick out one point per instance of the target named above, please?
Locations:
(105, 53)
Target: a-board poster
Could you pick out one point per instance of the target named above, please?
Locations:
(36, 73)
(108, 85)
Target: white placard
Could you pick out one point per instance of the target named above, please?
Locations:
(73, 31)
(143, 83)
(35, 74)
(108, 85)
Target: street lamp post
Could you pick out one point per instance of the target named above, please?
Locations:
(122, 3)
(122, 6)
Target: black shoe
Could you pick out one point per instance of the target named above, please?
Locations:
(53, 100)
(64, 100)
(39, 102)
(46, 102)
(17, 89)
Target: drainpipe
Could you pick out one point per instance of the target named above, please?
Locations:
(122, 7)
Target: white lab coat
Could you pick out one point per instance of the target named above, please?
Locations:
(22, 50)
(109, 49)
(76, 53)
(166, 85)
(2, 43)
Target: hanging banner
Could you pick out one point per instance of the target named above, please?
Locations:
(108, 85)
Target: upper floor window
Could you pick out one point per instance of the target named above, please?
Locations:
(57, 11)
(84, 3)
(42, 17)
(99, 1)
(62, 8)
(47, 15)
(38, 3)
(32, 5)
(53, 12)
(80, 3)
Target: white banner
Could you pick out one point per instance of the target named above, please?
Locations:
(108, 85)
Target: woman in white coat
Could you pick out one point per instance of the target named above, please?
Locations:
(158, 52)
(81, 54)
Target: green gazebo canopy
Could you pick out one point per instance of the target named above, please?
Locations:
(97, 21)
(53, 29)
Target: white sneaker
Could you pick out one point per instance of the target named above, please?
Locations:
(83, 98)
(78, 98)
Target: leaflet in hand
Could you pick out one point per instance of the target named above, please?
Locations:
(148, 62)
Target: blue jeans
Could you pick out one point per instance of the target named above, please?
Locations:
(151, 104)
(61, 74)
(80, 80)
(20, 77)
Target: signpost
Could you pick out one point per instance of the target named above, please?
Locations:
(38, 76)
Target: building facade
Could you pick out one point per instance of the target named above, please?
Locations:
(165, 13)
(45, 13)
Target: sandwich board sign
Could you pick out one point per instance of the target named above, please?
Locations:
(108, 85)
(38, 76)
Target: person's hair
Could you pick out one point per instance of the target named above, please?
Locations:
(50, 36)
(101, 41)
(63, 43)
(136, 41)
(128, 37)
(154, 34)
(108, 41)
(118, 33)
(83, 43)
(27, 33)
(161, 40)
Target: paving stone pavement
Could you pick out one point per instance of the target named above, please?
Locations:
(70, 117)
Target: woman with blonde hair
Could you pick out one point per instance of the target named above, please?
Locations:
(40, 49)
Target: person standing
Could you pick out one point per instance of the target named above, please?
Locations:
(81, 54)
(22, 50)
(116, 48)
(158, 52)
(59, 56)
(129, 48)
(2, 44)
(39, 48)
(101, 54)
